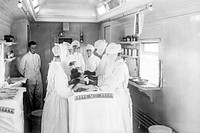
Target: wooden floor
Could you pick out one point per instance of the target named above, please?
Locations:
(136, 128)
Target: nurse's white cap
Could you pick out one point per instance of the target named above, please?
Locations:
(69, 46)
(56, 50)
(76, 43)
(90, 47)
(113, 48)
(66, 43)
(100, 45)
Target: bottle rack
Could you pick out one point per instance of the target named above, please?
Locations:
(130, 49)
(131, 52)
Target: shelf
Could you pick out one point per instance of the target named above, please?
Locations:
(148, 89)
(129, 56)
(8, 43)
(125, 43)
(10, 59)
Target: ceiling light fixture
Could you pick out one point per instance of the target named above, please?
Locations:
(101, 10)
(37, 9)
(35, 3)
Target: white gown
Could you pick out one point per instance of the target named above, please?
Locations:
(117, 82)
(79, 61)
(55, 111)
(92, 63)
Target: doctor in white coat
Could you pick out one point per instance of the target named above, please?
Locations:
(117, 82)
(30, 68)
(92, 62)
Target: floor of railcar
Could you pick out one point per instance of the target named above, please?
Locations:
(136, 128)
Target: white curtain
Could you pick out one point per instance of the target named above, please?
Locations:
(138, 23)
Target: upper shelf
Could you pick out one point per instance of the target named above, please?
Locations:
(10, 59)
(129, 42)
(10, 43)
(7, 43)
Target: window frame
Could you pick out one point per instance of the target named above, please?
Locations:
(142, 52)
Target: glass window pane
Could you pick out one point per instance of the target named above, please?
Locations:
(149, 62)
(152, 47)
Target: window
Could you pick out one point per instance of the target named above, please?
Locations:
(150, 63)
(64, 39)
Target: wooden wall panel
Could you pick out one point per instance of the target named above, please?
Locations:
(46, 33)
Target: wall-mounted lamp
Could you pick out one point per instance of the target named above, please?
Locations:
(149, 7)
(81, 36)
(61, 34)
(19, 4)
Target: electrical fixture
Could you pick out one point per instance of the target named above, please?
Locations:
(81, 36)
(101, 9)
(149, 7)
(35, 3)
(37, 9)
(19, 4)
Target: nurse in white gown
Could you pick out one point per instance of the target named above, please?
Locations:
(117, 82)
(92, 62)
(55, 111)
(80, 63)
(100, 46)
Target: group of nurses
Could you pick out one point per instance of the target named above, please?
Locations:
(113, 76)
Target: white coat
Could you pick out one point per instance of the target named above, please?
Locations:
(92, 63)
(30, 66)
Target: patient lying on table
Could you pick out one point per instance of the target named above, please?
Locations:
(82, 81)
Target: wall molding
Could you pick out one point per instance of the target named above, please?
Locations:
(63, 18)
(172, 10)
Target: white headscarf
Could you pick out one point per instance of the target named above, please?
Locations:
(76, 43)
(56, 50)
(69, 46)
(90, 47)
(64, 52)
(66, 44)
(113, 48)
(100, 45)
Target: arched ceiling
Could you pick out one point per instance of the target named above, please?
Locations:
(64, 10)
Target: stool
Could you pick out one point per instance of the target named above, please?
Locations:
(36, 117)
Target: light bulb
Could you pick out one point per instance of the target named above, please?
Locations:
(150, 7)
(19, 5)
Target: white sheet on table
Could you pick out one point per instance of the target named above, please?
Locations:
(12, 122)
(96, 115)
